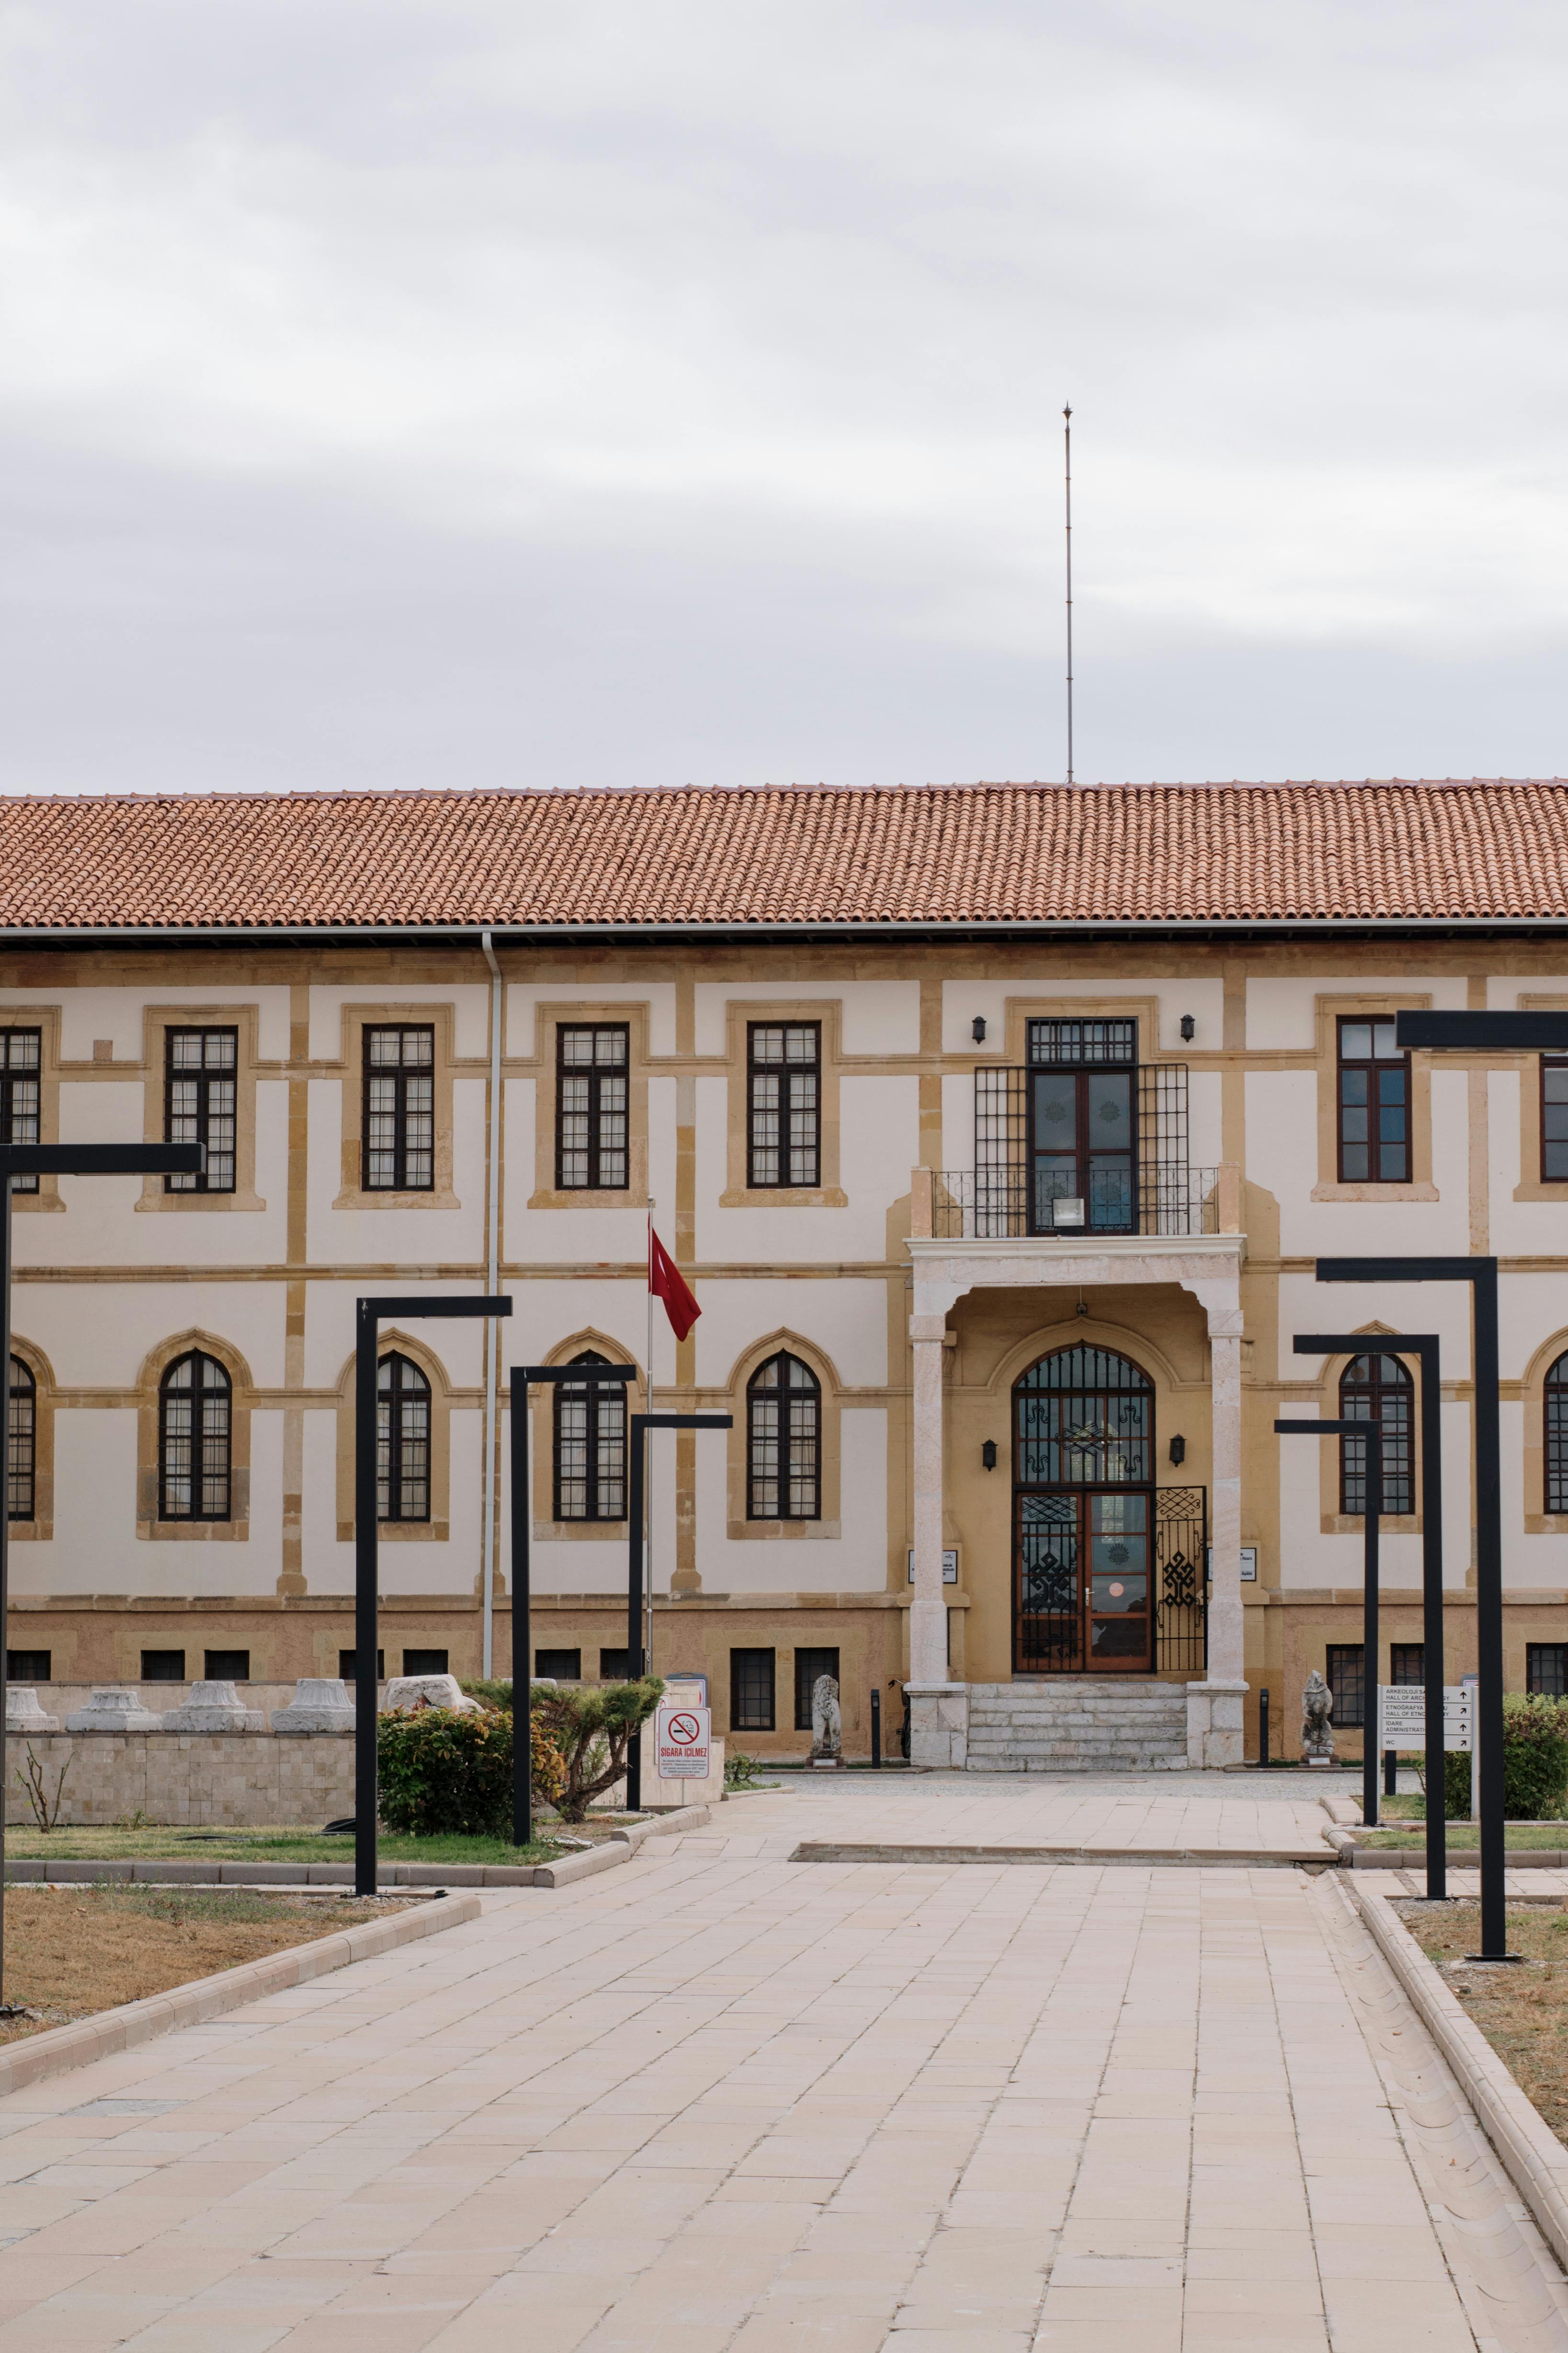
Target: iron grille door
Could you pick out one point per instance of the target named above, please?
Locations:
(1181, 1580)
(1001, 1153)
(1164, 1153)
(1050, 1604)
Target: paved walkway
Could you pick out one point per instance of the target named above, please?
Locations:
(716, 2100)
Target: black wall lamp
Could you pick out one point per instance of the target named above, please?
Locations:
(988, 1454)
(1178, 1450)
(1189, 1029)
(977, 1029)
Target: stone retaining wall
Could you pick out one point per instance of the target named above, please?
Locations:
(231, 1780)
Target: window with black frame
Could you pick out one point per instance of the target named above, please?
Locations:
(783, 1104)
(783, 1440)
(199, 1103)
(751, 1691)
(21, 1466)
(1346, 1681)
(21, 1065)
(1555, 1401)
(1083, 1125)
(1408, 1663)
(402, 1441)
(400, 1108)
(1378, 1389)
(1553, 1121)
(592, 1101)
(195, 1433)
(1546, 1669)
(1374, 1081)
(590, 1446)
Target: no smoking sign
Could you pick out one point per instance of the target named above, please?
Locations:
(683, 1738)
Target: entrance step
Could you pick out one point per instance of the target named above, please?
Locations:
(1078, 1724)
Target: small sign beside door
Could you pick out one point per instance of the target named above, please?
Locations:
(948, 1567)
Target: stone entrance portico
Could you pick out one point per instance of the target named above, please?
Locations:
(1208, 1267)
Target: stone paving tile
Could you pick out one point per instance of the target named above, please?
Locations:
(715, 2103)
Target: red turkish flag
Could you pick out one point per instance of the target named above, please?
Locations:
(666, 1282)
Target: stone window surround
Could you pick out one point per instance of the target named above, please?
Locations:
(1330, 1010)
(40, 1528)
(742, 1016)
(541, 1441)
(1531, 1185)
(436, 1529)
(1538, 1521)
(1332, 1520)
(738, 1528)
(581, 1013)
(157, 1021)
(150, 1528)
(399, 1013)
(46, 1020)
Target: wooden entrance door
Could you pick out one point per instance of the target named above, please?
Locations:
(1083, 1589)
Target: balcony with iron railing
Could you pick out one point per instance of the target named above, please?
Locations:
(1053, 1206)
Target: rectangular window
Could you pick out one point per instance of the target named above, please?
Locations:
(808, 1665)
(21, 1061)
(615, 1666)
(1553, 1121)
(425, 1662)
(1407, 1663)
(1345, 1680)
(400, 1109)
(348, 1667)
(592, 1101)
(29, 1666)
(227, 1667)
(590, 1450)
(1082, 1044)
(751, 1691)
(162, 1666)
(199, 1082)
(559, 1666)
(1375, 1105)
(784, 1100)
(1546, 1668)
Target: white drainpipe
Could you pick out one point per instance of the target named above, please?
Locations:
(492, 1329)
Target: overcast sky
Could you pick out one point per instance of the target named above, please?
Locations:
(478, 392)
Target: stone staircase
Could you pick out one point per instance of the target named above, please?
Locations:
(1078, 1724)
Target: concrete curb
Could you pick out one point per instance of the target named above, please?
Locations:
(1460, 1857)
(61, 2048)
(1203, 1858)
(1534, 2158)
(619, 1847)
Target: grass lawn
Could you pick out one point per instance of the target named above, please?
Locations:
(71, 1951)
(282, 1844)
(1461, 1835)
(1522, 2013)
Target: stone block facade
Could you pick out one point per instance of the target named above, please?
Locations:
(230, 1780)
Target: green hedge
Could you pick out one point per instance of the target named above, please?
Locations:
(443, 1772)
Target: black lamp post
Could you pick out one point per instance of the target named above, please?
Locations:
(523, 1376)
(56, 1160)
(1370, 1637)
(637, 1659)
(368, 1315)
(1426, 1347)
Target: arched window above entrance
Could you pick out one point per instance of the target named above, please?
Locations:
(1084, 1417)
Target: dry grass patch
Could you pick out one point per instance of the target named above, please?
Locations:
(71, 1951)
(1522, 2012)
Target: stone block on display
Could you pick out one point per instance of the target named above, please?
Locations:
(23, 1712)
(406, 1692)
(213, 1707)
(113, 1708)
(321, 1704)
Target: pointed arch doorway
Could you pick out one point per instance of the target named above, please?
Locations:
(1084, 1515)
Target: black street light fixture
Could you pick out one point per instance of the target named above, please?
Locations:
(1371, 1516)
(1480, 1273)
(1426, 1348)
(523, 1378)
(57, 1160)
(637, 1662)
(368, 1315)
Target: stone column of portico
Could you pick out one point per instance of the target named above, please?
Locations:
(1214, 1707)
(938, 1710)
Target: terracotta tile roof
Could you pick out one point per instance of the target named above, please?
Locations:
(801, 855)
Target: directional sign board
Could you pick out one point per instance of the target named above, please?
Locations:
(1403, 1714)
(684, 1743)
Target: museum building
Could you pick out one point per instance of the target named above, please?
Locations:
(997, 1130)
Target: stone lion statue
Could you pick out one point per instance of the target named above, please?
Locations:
(1317, 1732)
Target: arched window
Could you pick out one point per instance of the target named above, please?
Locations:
(1085, 1418)
(1377, 1388)
(195, 1418)
(402, 1441)
(24, 1433)
(783, 1442)
(590, 1446)
(1557, 1437)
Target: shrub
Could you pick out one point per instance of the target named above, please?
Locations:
(592, 1725)
(490, 1693)
(1534, 1762)
(442, 1772)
